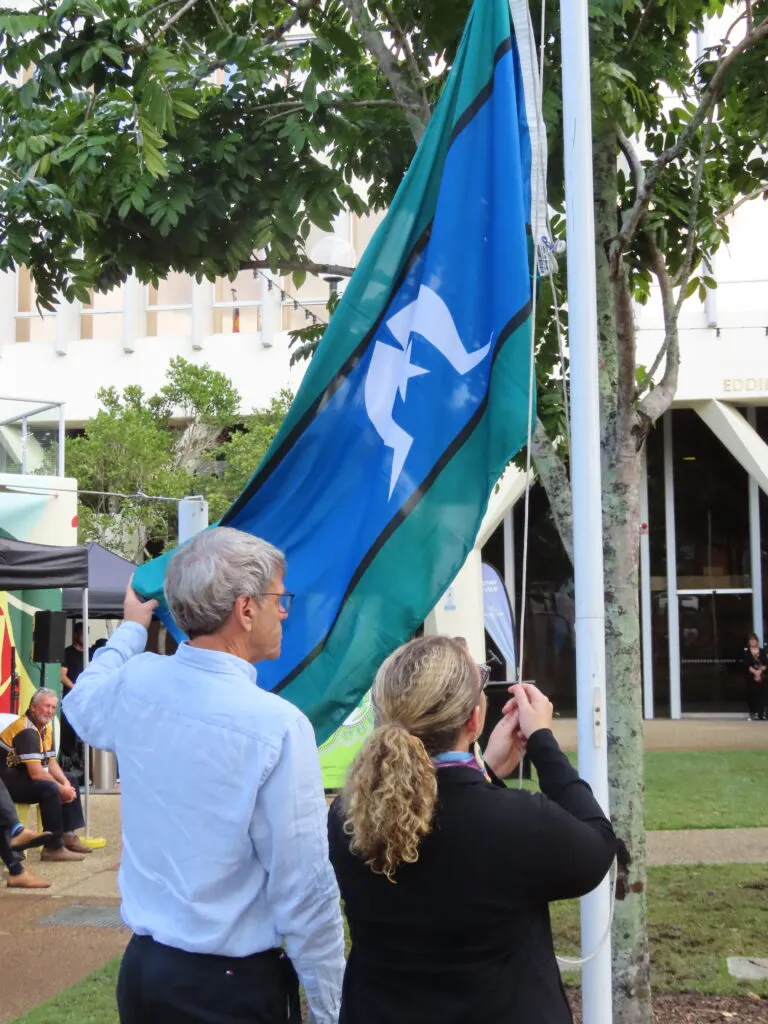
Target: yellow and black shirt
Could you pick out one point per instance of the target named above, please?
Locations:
(22, 742)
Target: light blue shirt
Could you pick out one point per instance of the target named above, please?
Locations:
(225, 846)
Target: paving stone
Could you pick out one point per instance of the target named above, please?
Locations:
(748, 968)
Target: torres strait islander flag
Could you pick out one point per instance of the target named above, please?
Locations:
(418, 394)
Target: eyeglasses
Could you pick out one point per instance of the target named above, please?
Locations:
(485, 676)
(285, 600)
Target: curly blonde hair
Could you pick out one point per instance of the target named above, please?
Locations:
(423, 695)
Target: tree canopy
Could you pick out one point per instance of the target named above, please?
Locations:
(136, 453)
(206, 137)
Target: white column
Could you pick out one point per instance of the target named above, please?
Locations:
(645, 590)
(202, 313)
(673, 609)
(67, 326)
(270, 309)
(460, 610)
(586, 481)
(7, 309)
(755, 544)
(134, 313)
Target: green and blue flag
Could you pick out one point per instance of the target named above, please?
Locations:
(417, 396)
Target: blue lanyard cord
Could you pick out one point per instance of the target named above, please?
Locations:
(459, 759)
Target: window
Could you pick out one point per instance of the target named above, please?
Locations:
(102, 317)
(31, 325)
(237, 304)
(169, 306)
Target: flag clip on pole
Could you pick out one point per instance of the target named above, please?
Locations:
(585, 476)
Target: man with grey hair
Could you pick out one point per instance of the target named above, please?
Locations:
(225, 853)
(31, 774)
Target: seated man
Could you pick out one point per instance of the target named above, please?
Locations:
(31, 774)
(13, 839)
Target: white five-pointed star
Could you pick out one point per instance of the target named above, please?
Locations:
(408, 370)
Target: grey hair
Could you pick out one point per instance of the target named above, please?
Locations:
(44, 691)
(208, 574)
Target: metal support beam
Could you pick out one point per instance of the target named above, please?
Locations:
(673, 609)
(755, 544)
(645, 591)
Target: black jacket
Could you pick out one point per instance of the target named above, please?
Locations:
(463, 937)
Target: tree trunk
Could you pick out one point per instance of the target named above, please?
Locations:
(631, 966)
(621, 453)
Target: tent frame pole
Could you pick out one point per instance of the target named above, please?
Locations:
(86, 746)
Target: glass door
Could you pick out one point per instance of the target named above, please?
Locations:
(714, 626)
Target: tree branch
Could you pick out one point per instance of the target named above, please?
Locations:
(410, 95)
(281, 30)
(643, 18)
(685, 269)
(708, 99)
(659, 399)
(635, 166)
(756, 193)
(553, 475)
(290, 107)
(175, 17)
(401, 40)
(219, 20)
(297, 266)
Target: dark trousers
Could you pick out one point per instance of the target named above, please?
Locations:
(162, 985)
(756, 697)
(8, 818)
(69, 743)
(58, 818)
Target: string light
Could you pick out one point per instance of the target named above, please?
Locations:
(284, 296)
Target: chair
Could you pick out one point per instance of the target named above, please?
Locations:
(23, 811)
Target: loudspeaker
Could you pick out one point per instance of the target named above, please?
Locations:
(48, 635)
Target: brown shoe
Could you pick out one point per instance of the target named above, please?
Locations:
(72, 842)
(26, 880)
(26, 839)
(61, 854)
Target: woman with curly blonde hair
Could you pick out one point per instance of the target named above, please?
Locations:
(446, 873)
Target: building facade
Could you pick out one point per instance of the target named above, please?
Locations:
(703, 542)
(704, 517)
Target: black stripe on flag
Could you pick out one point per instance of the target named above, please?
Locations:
(399, 517)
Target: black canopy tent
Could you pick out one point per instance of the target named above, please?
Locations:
(26, 566)
(108, 576)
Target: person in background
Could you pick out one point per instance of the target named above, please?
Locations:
(446, 874)
(756, 664)
(71, 668)
(225, 853)
(29, 769)
(14, 838)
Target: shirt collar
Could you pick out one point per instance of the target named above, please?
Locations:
(214, 661)
(455, 755)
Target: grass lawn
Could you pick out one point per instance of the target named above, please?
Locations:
(700, 789)
(698, 917)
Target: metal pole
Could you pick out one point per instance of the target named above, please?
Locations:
(755, 545)
(585, 475)
(509, 574)
(86, 746)
(645, 590)
(23, 445)
(61, 441)
(673, 604)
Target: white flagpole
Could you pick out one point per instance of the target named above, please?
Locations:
(585, 475)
